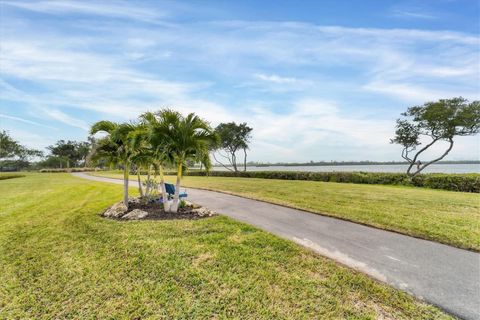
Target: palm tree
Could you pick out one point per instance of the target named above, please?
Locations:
(184, 138)
(142, 155)
(144, 158)
(117, 147)
(157, 137)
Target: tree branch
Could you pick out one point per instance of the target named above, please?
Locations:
(213, 154)
(226, 157)
(245, 159)
(437, 159)
(234, 162)
(405, 156)
(414, 160)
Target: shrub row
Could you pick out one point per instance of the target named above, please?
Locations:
(68, 170)
(10, 176)
(452, 182)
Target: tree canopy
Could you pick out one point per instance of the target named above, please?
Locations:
(13, 155)
(10, 148)
(437, 121)
(233, 137)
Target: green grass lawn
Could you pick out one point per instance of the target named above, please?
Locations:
(443, 216)
(60, 259)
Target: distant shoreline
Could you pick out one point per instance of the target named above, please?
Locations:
(346, 163)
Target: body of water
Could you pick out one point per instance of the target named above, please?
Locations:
(435, 168)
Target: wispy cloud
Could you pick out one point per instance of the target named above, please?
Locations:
(412, 93)
(5, 116)
(411, 14)
(117, 9)
(66, 119)
(275, 78)
(302, 86)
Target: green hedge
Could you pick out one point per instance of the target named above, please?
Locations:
(453, 182)
(10, 176)
(68, 170)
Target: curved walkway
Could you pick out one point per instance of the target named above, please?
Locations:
(442, 275)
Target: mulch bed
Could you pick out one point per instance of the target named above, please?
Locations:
(156, 212)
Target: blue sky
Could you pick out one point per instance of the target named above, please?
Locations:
(317, 80)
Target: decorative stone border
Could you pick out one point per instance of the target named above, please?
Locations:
(119, 211)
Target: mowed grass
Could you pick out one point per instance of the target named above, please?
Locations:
(60, 260)
(444, 216)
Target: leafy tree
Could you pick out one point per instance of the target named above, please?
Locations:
(116, 147)
(438, 121)
(73, 153)
(50, 162)
(9, 148)
(66, 150)
(233, 138)
(83, 150)
(17, 154)
(25, 154)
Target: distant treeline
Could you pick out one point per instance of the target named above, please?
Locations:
(348, 163)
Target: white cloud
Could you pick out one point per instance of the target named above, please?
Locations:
(275, 78)
(399, 35)
(314, 126)
(413, 14)
(25, 121)
(132, 68)
(118, 9)
(47, 63)
(62, 117)
(412, 93)
(29, 139)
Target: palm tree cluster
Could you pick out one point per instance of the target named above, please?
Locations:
(157, 140)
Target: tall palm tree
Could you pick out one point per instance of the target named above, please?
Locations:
(117, 147)
(145, 158)
(142, 156)
(157, 128)
(184, 138)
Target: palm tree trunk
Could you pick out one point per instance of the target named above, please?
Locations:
(125, 185)
(147, 189)
(140, 188)
(176, 197)
(164, 190)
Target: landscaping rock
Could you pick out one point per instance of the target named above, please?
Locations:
(116, 211)
(191, 204)
(139, 209)
(135, 214)
(203, 212)
(135, 200)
